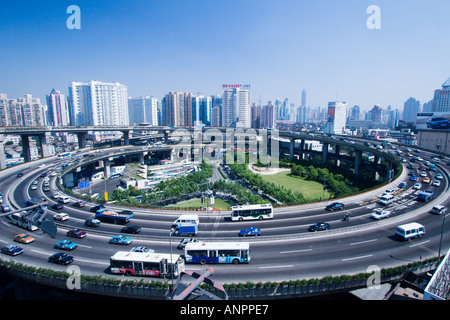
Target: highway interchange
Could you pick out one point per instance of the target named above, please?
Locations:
(284, 251)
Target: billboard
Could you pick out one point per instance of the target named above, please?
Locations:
(433, 121)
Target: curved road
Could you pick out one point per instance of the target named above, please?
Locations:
(285, 251)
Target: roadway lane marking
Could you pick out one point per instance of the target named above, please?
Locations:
(355, 258)
(90, 261)
(361, 242)
(275, 267)
(419, 244)
(295, 251)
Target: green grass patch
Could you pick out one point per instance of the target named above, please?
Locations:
(219, 204)
(309, 189)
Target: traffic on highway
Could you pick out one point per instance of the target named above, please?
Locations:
(343, 236)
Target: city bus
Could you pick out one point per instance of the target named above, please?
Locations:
(146, 264)
(252, 212)
(217, 252)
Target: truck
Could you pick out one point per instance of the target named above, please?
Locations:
(424, 196)
(106, 215)
(185, 225)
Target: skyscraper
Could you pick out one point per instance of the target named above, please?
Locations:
(337, 117)
(143, 110)
(410, 110)
(57, 111)
(98, 104)
(177, 109)
(441, 101)
(236, 106)
(21, 112)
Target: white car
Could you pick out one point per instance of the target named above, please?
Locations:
(55, 196)
(389, 191)
(380, 214)
(61, 216)
(423, 174)
(417, 186)
(436, 183)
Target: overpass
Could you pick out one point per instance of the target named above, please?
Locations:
(210, 135)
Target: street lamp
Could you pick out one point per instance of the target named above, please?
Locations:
(171, 262)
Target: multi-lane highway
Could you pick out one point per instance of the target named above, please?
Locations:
(284, 251)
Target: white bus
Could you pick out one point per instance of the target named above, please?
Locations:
(410, 231)
(252, 212)
(146, 264)
(217, 252)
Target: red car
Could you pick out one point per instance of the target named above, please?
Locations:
(79, 204)
(76, 233)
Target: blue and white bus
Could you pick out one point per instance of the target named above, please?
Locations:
(252, 212)
(217, 252)
(64, 155)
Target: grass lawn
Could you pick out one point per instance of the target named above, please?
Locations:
(219, 204)
(309, 189)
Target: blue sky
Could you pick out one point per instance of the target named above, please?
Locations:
(278, 47)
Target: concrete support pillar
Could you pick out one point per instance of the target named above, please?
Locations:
(142, 157)
(325, 152)
(166, 137)
(302, 149)
(358, 160)
(81, 136)
(337, 151)
(107, 169)
(25, 147)
(126, 137)
(2, 153)
(291, 148)
(43, 145)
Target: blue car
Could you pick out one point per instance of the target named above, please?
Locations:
(413, 178)
(66, 245)
(252, 231)
(120, 239)
(12, 250)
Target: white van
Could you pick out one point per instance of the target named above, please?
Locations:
(63, 199)
(410, 231)
(386, 199)
(439, 209)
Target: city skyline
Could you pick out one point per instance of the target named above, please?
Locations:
(278, 48)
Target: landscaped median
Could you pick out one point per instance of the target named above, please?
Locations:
(151, 289)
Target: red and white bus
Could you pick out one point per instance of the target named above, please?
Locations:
(146, 264)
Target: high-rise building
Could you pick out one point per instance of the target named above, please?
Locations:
(410, 110)
(268, 116)
(143, 110)
(256, 116)
(201, 111)
(57, 111)
(21, 112)
(98, 104)
(177, 109)
(441, 100)
(337, 117)
(236, 106)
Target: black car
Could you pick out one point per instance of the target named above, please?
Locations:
(96, 208)
(12, 250)
(20, 174)
(131, 229)
(319, 226)
(61, 258)
(335, 206)
(91, 222)
(58, 206)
